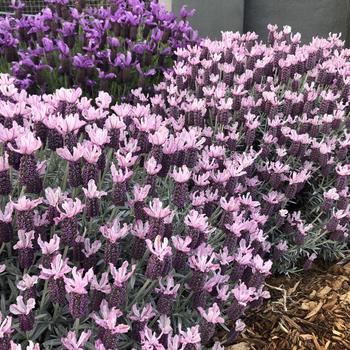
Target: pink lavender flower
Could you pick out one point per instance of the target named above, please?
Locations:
(125, 161)
(119, 288)
(140, 194)
(55, 275)
(73, 157)
(24, 209)
(76, 289)
(70, 342)
(190, 338)
(100, 290)
(140, 318)
(5, 182)
(113, 233)
(181, 177)
(157, 214)
(198, 228)
(164, 325)
(120, 179)
(5, 331)
(260, 270)
(182, 246)
(25, 248)
(97, 135)
(92, 195)
(243, 295)
(89, 251)
(28, 174)
(210, 319)
(109, 330)
(24, 310)
(149, 340)
(54, 197)
(157, 262)
(115, 125)
(152, 168)
(91, 155)
(26, 144)
(201, 263)
(234, 333)
(6, 229)
(140, 231)
(279, 249)
(310, 261)
(68, 126)
(49, 249)
(27, 286)
(167, 294)
(68, 219)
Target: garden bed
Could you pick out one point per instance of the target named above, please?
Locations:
(308, 311)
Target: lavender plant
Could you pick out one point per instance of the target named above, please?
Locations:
(127, 44)
(154, 223)
(102, 231)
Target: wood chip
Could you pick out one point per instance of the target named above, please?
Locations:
(345, 297)
(311, 312)
(314, 311)
(338, 282)
(312, 294)
(239, 346)
(316, 343)
(306, 336)
(308, 305)
(330, 304)
(324, 292)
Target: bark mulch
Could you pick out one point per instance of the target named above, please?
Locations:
(305, 312)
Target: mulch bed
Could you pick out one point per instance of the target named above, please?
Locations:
(311, 311)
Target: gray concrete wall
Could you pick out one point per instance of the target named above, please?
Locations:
(214, 16)
(309, 17)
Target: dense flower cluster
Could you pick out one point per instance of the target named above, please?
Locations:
(150, 224)
(117, 216)
(115, 48)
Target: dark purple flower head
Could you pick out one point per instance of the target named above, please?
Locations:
(138, 48)
(63, 48)
(68, 29)
(137, 6)
(83, 62)
(38, 25)
(123, 61)
(149, 20)
(47, 14)
(75, 13)
(17, 4)
(113, 42)
(27, 61)
(48, 45)
(105, 75)
(24, 84)
(156, 34)
(166, 51)
(184, 13)
(148, 73)
(131, 19)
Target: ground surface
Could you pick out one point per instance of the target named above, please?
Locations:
(308, 312)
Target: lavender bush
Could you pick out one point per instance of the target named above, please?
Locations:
(113, 234)
(115, 48)
(153, 224)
